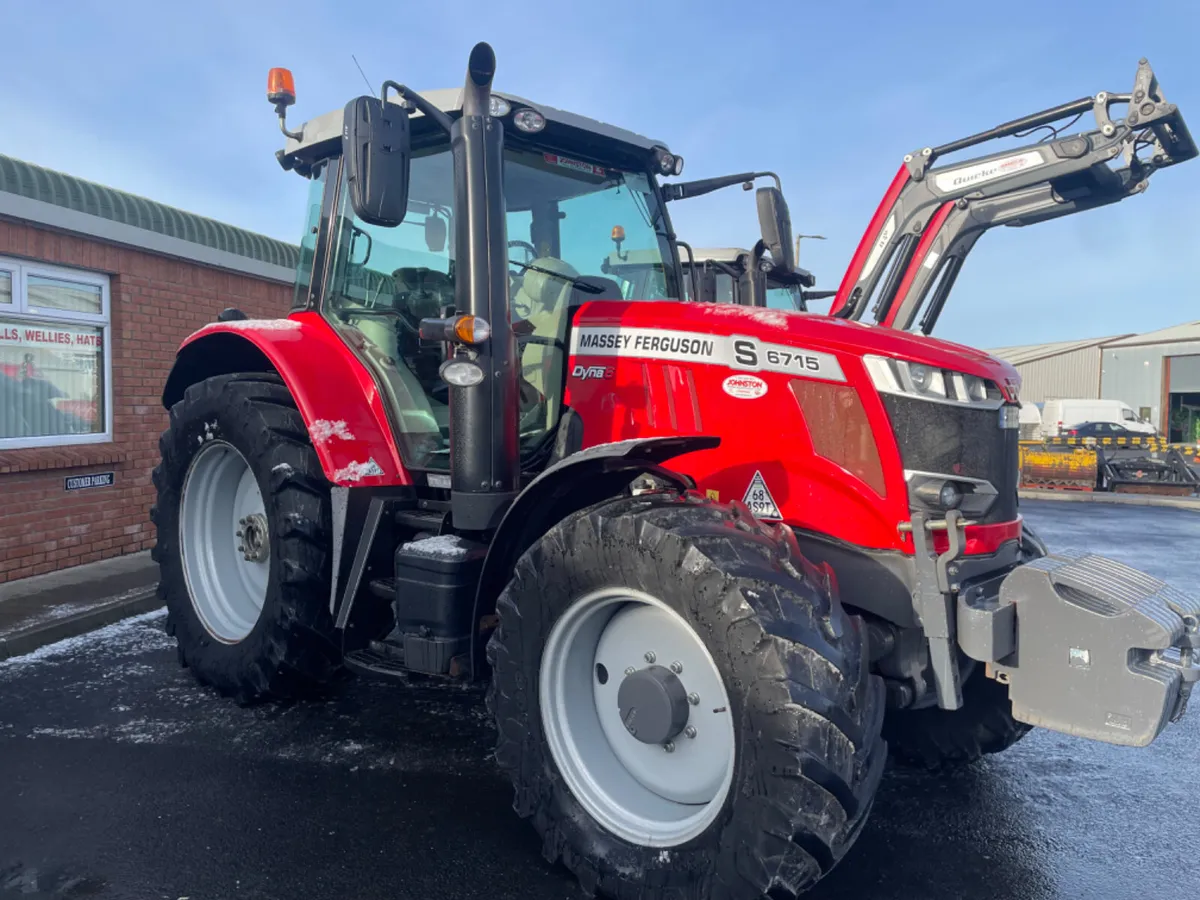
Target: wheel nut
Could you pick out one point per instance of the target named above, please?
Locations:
(690, 731)
(630, 670)
(669, 746)
(677, 667)
(241, 548)
(650, 657)
(694, 698)
(239, 532)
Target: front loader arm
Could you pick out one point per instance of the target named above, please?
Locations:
(1054, 177)
(930, 274)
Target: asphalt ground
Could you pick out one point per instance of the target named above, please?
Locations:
(122, 778)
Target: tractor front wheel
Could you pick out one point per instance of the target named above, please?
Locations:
(684, 708)
(243, 526)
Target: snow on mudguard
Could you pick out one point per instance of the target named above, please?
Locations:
(1103, 651)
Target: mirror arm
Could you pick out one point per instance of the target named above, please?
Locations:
(687, 189)
(691, 268)
(410, 96)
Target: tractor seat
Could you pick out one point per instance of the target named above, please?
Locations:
(423, 292)
(548, 299)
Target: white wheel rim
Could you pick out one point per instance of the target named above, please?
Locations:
(637, 791)
(226, 571)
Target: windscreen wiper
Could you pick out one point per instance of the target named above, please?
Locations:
(930, 216)
(580, 283)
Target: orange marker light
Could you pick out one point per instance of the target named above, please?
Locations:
(618, 233)
(472, 329)
(281, 89)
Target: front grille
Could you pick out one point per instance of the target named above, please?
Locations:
(958, 440)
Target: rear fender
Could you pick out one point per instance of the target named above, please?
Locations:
(336, 395)
(574, 483)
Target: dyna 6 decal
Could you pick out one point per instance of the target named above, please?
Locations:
(734, 352)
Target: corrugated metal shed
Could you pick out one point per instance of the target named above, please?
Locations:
(1064, 369)
(1134, 367)
(1188, 331)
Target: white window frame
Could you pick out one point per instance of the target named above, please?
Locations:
(20, 311)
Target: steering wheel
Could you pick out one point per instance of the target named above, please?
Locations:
(525, 245)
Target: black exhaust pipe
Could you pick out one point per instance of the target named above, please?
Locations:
(484, 445)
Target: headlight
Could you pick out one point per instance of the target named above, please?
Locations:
(925, 382)
(460, 373)
(529, 120)
(498, 106)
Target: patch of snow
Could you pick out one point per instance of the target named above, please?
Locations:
(125, 638)
(283, 469)
(145, 731)
(664, 856)
(67, 732)
(324, 430)
(260, 324)
(357, 471)
(773, 318)
(443, 546)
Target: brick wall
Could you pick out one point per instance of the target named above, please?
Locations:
(156, 302)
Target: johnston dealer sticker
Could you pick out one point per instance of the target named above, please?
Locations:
(744, 387)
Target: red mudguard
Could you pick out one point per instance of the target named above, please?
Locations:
(335, 393)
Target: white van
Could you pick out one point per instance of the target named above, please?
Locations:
(1059, 415)
(1031, 422)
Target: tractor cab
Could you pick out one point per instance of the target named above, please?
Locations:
(570, 185)
(398, 248)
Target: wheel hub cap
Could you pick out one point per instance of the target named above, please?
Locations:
(653, 704)
(253, 542)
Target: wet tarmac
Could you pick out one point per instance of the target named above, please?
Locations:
(121, 778)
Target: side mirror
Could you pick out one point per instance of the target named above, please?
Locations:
(775, 223)
(435, 234)
(376, 153)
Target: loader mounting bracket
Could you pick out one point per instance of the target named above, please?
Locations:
(933, 600)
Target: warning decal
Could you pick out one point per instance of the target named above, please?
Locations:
(758, 498)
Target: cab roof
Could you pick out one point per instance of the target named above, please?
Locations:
(320, 137)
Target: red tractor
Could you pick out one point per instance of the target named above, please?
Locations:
(715, 560)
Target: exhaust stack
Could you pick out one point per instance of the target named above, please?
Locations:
(485, 451)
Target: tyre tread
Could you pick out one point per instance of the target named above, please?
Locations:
(299, 654)
(818, 797)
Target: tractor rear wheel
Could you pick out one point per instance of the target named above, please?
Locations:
(934, 738)
(243, 526)
(684, 708)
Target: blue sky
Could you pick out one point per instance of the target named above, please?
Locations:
(167, 100)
